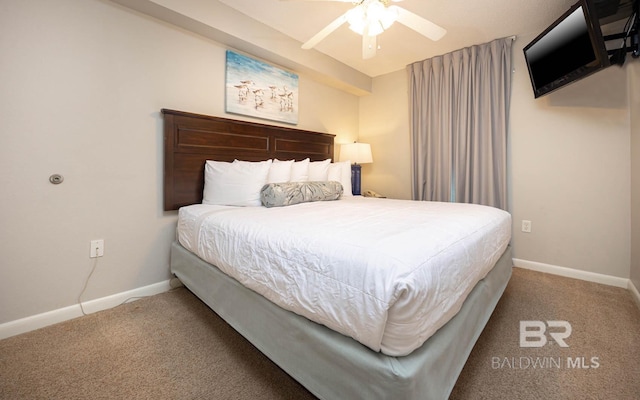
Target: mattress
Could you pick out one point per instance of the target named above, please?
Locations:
(388, 273)
(333, 366)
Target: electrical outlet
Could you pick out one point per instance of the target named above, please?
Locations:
(526, 226)
(97, 248)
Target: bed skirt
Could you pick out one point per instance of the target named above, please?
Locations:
(333, 366)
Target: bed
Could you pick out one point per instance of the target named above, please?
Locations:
(344, 358)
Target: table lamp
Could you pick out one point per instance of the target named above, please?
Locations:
(356, 153)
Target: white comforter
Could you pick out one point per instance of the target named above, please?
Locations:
(388, 273)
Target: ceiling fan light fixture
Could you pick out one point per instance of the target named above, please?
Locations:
(389, 16)
(371, 18)
(357, 19)
(374, 10)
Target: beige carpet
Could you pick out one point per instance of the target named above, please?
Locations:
(605, 324)
(171, 346)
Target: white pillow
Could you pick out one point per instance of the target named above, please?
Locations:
(300, 171)
(341, 172)
(319, 170)
(234, 184)
(279, 171)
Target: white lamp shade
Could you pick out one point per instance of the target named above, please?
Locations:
(372, 15)
(357, 153)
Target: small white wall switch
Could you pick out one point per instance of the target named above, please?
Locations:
(97, 248)
(526, 226)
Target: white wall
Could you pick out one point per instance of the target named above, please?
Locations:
(634, 98)
(82, 84)
(384, 123)
(570, 172)
(569, 165)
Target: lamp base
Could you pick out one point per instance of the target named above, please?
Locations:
(356, 172)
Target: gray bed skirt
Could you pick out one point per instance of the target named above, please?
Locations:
(333, 366)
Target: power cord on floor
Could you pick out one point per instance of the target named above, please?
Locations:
(86, 283)
(174, 284)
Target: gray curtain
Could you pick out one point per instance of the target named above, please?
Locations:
(459, 105)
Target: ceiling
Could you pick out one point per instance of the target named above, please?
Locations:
(274, 30)
(467, 22)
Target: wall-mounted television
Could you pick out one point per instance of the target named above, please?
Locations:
(568, 50)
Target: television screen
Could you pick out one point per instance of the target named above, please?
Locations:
(570, 49)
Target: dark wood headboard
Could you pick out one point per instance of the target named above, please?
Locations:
(191, 139)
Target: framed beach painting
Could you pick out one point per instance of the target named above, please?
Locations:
(260, 90)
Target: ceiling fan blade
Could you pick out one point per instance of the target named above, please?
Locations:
(326, 31)
(369, 46)
(419, 24)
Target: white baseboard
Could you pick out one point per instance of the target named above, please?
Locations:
(634, 292)
(38, 321)
(573, 273)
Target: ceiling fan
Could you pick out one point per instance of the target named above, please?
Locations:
(370, 18)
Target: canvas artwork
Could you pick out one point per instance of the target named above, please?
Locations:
(260, 90)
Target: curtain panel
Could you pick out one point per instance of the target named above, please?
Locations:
(459, 105)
